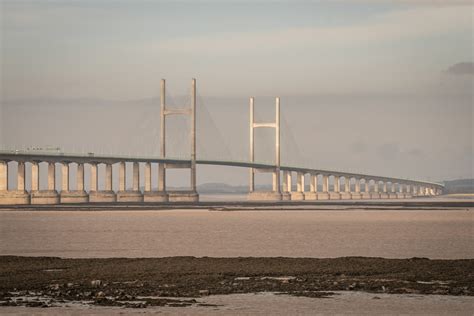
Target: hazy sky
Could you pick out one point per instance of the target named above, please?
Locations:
(348, 70)
(120, 49)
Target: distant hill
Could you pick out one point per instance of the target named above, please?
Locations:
(221, 188)
(459, 186)
(452, 186)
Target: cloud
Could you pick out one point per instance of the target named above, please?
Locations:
(418, 22)
(464, 68)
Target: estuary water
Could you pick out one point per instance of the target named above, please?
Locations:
(443, 234)
(342, 303)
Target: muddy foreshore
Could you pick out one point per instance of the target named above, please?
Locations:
(45, 281)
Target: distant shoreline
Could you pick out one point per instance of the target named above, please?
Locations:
(455, 203)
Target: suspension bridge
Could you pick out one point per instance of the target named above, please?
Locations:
(72, 189)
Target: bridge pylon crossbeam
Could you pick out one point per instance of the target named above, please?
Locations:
(162, 193)
(275, 194)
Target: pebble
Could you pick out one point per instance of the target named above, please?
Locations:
(96, 283)
(204, 292)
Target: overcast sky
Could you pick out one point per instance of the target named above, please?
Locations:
(408, 57)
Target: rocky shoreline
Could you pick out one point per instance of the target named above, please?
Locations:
(178, 281)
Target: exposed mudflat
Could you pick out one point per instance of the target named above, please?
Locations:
(240, 203)
(179, 281)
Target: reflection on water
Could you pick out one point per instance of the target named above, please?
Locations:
(390, 234)
(342, 303)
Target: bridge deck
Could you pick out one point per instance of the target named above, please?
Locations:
(95, 158)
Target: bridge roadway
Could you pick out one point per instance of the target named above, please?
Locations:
(399, 188)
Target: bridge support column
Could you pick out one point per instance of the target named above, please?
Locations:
(65, 177)
(313, 188)
(21, 177)
(392, 194)
(335, 195)
(356, 194)
(375, 192)
(408, 191)
(79, 195)
(64, 183)
(147, 176)
(400, 193)
(346, 194)
(49, 196)
(107, 195)
(23, 195)
(18, 196)
(3, 176)
(34, 176)
(285, 194)
(299, 194)
(149, 195)
(384, 194)
(366, 193)
(133, 195)
(101, 196)
(324, 195)
(421, 191)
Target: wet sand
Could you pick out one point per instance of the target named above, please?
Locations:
(157, 281)
(342, 303)
(435, 234)
(259, 282)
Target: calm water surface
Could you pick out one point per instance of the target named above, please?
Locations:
(343, 303)
(390, 234)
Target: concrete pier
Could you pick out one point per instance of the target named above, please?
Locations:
(3, 176)
(384, 193)
(391, 193)
(324, 195)
(400, 193)
(285, 194)
(375, 192)
(183, 196)
(78, 195)
(49, 196)
(313, 188)
(134, 195)
(366, 193)
(346, 194)
(101, 196)
(356, 194)
(299, 194)
(335, 195)
(148, 194)
(17, 195)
